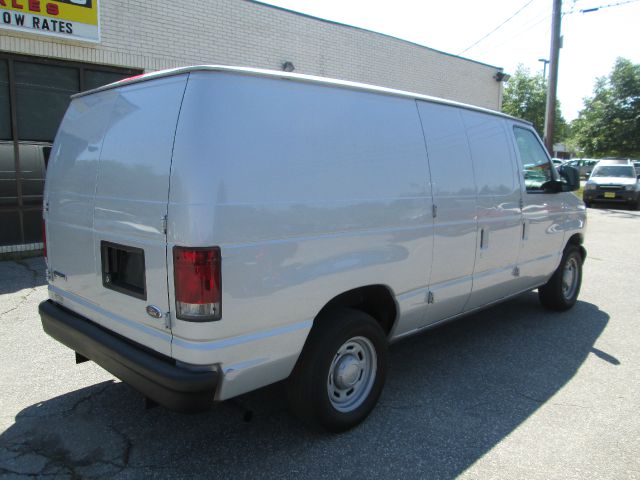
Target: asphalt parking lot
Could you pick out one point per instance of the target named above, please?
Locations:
(512, 392)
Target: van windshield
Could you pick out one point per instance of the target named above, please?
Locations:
(614, 171)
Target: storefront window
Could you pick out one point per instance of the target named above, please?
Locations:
(5, 102)
(8, 184)
(32, 224)
(43, 93)
(32, 172)
(38, 91)
(94, 78)
(10, 231)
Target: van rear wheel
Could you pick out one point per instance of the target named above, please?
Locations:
(341, 371)
(562, 289)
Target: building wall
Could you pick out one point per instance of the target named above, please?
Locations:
(156, 34)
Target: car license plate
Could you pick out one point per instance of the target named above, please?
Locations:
(609, 195)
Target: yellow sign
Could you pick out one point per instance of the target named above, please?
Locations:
(70, 19)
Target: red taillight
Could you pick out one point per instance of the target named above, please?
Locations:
(196, 273)
(44, 239)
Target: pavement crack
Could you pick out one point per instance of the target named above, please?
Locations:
(23, 300)
(32, 289)
(533, 399)
(7, 471)
(85, 398)
(569, 405)
(409, 406)
(55, 456)
(29, 268)
(125, 455)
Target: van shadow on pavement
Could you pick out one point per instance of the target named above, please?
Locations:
(452, 394)
(16, 275)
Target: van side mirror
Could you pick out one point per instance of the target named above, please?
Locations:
(570, 178)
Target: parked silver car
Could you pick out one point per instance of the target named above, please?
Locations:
(584, 165)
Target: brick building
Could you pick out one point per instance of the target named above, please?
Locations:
(50, 49)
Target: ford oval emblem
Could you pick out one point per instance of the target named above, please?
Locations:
(154, 311)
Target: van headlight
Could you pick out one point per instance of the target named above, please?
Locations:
(590, 186)
(630, 187)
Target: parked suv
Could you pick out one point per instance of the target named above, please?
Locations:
(613, 181)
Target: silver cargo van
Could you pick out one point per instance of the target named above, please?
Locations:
(212, 230)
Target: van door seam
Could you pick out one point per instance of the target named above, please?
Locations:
(105, 129)
(433, 204)
(166, 240)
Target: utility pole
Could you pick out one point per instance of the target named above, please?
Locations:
(550, 112)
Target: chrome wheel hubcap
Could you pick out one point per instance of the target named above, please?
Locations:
(570, 278)
(352, 374)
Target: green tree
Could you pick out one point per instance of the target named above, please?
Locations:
(609, 123)
(525, 96)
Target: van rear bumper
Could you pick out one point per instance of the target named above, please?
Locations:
(154, 375)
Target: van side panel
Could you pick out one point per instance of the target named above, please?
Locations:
(499, 213)
(455, 195)
(310, 191)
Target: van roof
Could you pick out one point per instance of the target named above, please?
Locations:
(295, 77)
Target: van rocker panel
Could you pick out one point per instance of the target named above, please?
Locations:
(155, 376)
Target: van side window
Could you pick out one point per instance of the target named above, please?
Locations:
(491, 154)
(535, 163)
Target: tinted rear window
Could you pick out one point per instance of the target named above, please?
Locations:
(614, 171)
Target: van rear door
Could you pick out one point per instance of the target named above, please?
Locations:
(112, 160)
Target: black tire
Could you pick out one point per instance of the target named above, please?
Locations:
(556, 294)
(326, 348)
(587, 204)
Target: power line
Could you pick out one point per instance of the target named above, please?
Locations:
(525, 28)
(587, 10)
(572, 9)
(507, 20)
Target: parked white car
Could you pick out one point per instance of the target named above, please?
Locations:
(613, 181)
(212, 230)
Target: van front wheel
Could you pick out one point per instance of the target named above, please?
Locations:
(341, 371)
(562, 289)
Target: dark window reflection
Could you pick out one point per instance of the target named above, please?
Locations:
(43, 93)
(94, 78)
(8, 184)
(32, 226)
(46, 152)
(10, 231)
(5, 110)
(32, 173)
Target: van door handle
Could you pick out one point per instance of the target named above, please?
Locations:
(57, 274)
(483, 238)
